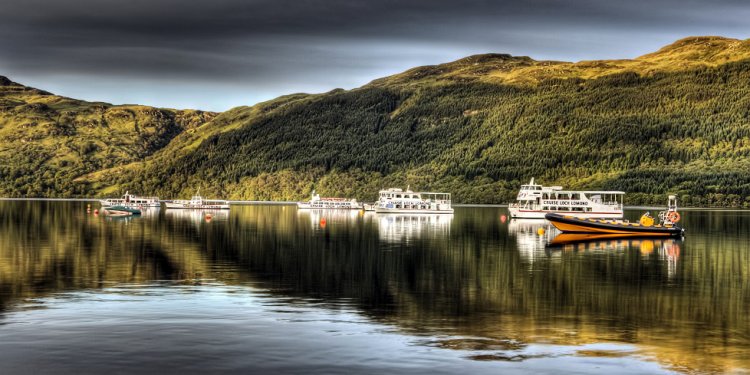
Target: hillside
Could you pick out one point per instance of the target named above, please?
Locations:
(46, 141)
(676, 120)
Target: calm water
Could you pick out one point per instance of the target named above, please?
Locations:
(271, 288)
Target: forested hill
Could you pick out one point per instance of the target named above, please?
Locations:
(46, 141)
(677, 120)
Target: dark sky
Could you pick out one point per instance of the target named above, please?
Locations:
(217, 54)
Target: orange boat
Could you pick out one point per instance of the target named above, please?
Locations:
(613, 228)
(570, 224)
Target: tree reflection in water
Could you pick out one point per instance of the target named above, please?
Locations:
(465, 281)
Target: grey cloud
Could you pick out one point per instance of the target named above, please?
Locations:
(274, 47)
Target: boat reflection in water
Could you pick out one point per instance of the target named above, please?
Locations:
(321, 218)
(146, 212)
(197, 216)
(532, 236)
(391, 228)
(590, 241)
(409, 227)
(668, 249)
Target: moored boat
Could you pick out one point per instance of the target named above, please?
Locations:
(130, 200)
(120, 211)
(316, 202)
(398, 201)
(646, 227)
(534, 201)
(197, 202)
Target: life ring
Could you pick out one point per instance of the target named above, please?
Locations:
(673, 216)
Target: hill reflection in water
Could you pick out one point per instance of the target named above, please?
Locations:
(467, 282)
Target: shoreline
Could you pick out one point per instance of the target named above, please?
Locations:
(290, 203)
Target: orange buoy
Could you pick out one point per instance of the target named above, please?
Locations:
(503, 218)
(323, 222)
(540, 231)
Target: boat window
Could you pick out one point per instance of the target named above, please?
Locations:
(576, 196)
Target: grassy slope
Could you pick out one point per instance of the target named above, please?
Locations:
(672, 121)
(47, 141)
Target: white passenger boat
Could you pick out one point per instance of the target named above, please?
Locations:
(316, 202)
(534, 201)
(197, 202)
(132, 201)
(398, 201)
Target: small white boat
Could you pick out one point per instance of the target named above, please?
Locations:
(197, 202)
(132, 201)
(316, 202)
(398, 201)
(120, 211)
(534, 201)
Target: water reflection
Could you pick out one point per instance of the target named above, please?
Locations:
(407, 228)
(532, 236)
(668, 249)
(467, 283)
(321, 218)
(197, 217)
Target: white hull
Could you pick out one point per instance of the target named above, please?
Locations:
(107, 203)
(539, 214)
(321, 206)
(192, 206)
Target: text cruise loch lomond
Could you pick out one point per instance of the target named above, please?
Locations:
(534, 201)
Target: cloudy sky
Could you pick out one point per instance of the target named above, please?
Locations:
(217, 54)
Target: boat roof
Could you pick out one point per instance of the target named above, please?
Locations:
(559, 189)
